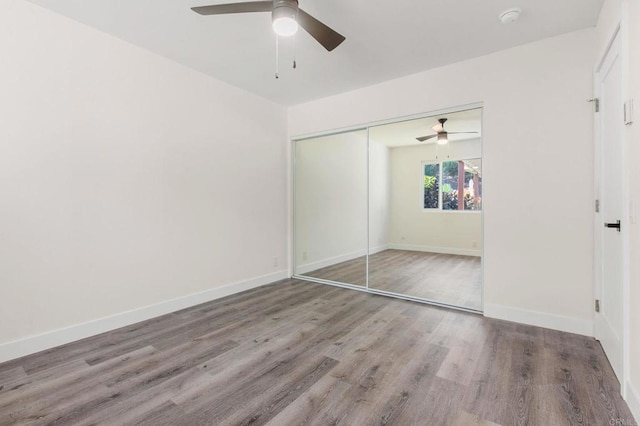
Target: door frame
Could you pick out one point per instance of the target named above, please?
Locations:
(618, 32)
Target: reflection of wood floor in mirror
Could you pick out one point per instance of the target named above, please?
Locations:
(446, 278)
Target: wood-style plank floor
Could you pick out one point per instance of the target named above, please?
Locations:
(303, 353)
(447, 278)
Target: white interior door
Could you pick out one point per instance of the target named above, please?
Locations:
(609, 238)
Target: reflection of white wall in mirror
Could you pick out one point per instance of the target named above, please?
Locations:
(379, 196)
(330, 200)
(412, 228)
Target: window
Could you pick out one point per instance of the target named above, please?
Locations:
(431, 186)
(453, 185)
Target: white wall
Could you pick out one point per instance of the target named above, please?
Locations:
(126, 180)
(412, 227)
(538, 246)
(331, 200)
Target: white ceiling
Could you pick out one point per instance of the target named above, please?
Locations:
(385, 40)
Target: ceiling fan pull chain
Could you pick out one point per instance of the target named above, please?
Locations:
(294, 52)
(277, 54)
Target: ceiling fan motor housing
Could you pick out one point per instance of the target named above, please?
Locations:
(283, 9)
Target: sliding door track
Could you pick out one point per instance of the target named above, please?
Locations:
(388, 294)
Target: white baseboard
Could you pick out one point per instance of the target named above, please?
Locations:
(540, 319)
(378, 249)
(442, 250)
(33, 344)
(633, 401)
(319, 264)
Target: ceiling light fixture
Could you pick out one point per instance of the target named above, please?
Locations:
(510, 15)
(283, 19)
(442, 139)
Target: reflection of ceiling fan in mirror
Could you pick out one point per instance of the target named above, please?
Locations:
(441, 134)
(285, 17)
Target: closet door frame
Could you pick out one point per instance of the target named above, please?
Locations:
(366, 288)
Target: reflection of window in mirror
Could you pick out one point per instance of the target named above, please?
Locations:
(431, 186)
(453, 185)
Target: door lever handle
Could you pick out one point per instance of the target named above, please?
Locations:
(613, 225)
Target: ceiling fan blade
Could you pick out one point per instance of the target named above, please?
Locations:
(438, 128)
(461, 133)
(324, 35)
(245, 7)
(426, 138)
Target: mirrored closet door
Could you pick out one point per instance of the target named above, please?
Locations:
(330, 208)
(395, 209)
(425, 211)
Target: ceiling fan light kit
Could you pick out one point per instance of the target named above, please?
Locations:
(283, 17)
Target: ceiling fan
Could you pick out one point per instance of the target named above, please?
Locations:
(285, 18)
(441, 134)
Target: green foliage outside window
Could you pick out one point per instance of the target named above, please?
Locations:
(431, 185)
